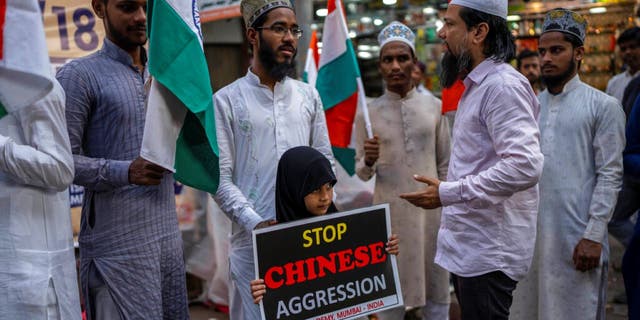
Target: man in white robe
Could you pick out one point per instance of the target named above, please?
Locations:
(38, 277)
(582, 131)
(258, 118)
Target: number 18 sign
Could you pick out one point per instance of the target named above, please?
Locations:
(72, 29)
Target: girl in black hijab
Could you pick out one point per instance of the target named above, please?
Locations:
(304, 189)
(304, 185)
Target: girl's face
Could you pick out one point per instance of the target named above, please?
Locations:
(319, 200)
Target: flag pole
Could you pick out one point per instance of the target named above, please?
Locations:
(365, 110)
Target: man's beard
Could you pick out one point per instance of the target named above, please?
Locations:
(277, 70)
(553, 81)
(121, 39)
(453, 67)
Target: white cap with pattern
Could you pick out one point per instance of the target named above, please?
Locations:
(397, 31)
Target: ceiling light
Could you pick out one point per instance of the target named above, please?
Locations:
(514, 17)
(429, 10)
(598, 10)
(322, 12)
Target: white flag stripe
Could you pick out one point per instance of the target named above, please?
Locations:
(165, 116)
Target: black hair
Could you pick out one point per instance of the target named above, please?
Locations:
(499, 44)
(631, 34)
(573, 39)
(526, 53)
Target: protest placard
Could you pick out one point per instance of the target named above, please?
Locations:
(328, 267)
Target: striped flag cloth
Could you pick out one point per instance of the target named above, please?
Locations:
(180, 133)
(25, 72)
(310, 74)
(337, 84)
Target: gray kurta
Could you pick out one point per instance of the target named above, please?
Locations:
(582, 132)
(414, 139)
(134, 242)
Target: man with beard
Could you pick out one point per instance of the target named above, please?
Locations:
(131, 262)
(528, 63)
(258, 118)
(490, 198)
(629, 45)
(582, 134)
(414, 137)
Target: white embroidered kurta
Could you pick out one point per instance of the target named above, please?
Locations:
(255, 126)
(582, 138)
(414, 139)
(37, 273)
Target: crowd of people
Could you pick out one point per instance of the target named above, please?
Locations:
(511, 203)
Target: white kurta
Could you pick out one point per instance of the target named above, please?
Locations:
(414, 139)
(37, 273)
(582, 132)
(255, 126)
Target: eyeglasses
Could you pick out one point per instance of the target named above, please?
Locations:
(281, 31)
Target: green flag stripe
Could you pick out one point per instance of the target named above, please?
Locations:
(346, 157)
(3, 112)
(337, 79)
(178, 62)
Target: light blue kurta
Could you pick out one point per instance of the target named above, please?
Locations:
(582, 132)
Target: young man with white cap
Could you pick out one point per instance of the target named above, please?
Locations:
(582, 133)
(414, 137)
(490, 198)
(258, 118)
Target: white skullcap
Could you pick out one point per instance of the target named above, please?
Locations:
(397, 31)
(494, 7)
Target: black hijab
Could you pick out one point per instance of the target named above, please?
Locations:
(301, 170)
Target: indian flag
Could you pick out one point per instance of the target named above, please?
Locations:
(310, 74)
(25, 72)
(180, 133)
(337, 84)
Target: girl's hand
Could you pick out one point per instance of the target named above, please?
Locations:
(393, 245)
(257, 290)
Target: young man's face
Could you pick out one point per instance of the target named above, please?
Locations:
(396, 66)
(282, 47)
(530, 68)
(125, 21)
(630, 53)
(559, 58)
(275, 43)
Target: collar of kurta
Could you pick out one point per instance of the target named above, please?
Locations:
(255, 80)
(571, 85)
(480, 72)
(114, 52)
(396, 96)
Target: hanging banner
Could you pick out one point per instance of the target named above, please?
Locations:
(328, 267)
(211, 10)
(72, 29)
